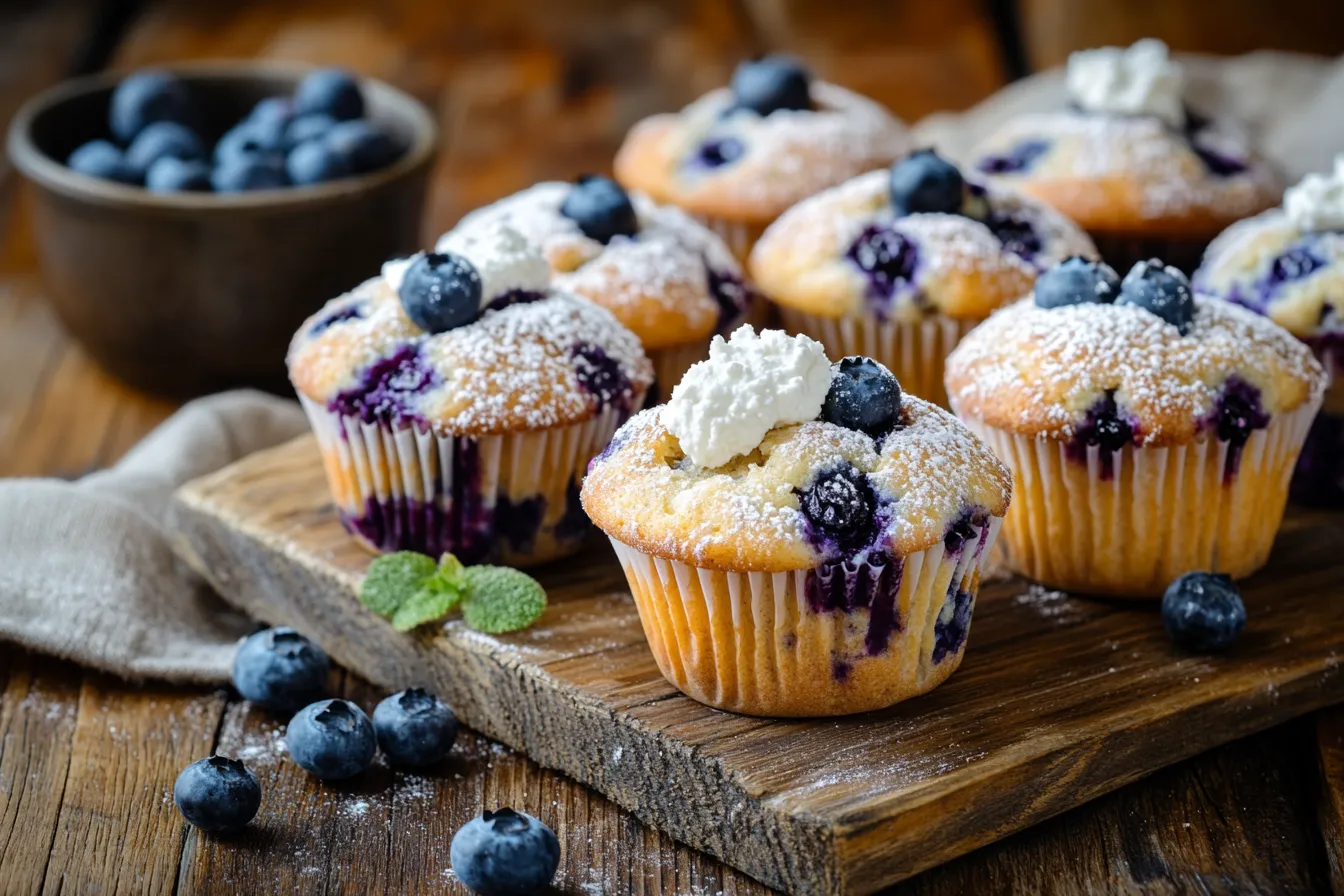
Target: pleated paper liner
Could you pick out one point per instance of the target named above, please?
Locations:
(1128, 527)
(511, 498)
(915, 351)
(760, 643)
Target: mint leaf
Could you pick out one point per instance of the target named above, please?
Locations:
(393, 578)
(500, 599)
(435, 600)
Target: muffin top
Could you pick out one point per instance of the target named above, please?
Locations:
(467, 346)
(1129, 155)
(915, 239)
(750, 151)
(768, 458)
(1288, 263)
(666, 277)
(1086, 358)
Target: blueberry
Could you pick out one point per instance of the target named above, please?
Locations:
(248, 172)
(601, 208)
(307, 127)
(331, 91)
(440, 292)
(314, 162)
(864, 396)
(218, 794)
(279, 668)
(1163, 290)
(365, 145)
(246, 138)
(163, 139)
(144, 98)
(1203, 612)
(414, 728)
(770, 84)
(101, 159)
(887, 258)
(926, 182)
(840, 502)
(173, 175)
(1077, 281)
(331, 739)
(505, 853)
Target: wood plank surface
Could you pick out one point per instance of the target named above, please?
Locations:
(1059, 700)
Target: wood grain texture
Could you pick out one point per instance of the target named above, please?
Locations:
(1330, 790)
(1058, 701)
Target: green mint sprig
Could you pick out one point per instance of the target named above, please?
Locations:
(411, 590)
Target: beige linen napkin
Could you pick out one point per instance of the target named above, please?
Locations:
(86, 571)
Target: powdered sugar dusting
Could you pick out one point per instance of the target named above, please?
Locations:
(1030, 369)
(666, 264)
(745, 514)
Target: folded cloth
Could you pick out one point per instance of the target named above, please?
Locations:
(86, 571)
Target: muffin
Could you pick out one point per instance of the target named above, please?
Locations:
(1141, 171)
(739, 156)
(1288, 264)
(458, 399)
(900, 264)
(801, 538)
(669, 280)
(1151, 431)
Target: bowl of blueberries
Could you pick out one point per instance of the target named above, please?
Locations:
(190, 218)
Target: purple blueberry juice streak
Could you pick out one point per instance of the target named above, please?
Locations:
(601, 376)
(1017, 234)
(340, 315)
(518, 522)
(948, 637)
(964, 528)
(717, 152)
(1237, 413)
(574, 524)
(1106, 427)
(887, 258)
(840, 670)
(385, 389)
(514, 297)
(871, 583)
(732, 295)
(617, 441)
(1018, 159)
(1220, 163)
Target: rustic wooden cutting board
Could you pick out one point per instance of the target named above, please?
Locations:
(1059, 699)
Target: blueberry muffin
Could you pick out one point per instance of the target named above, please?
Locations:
(739, 156)
(1141, 171)
(900, 264)
(801, 538)
(1151, 431)
(668, 279)
(1288, 264)
(458, 399)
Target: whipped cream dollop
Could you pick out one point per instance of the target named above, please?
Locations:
(1137, 80)
(506, 260)
(1317, 202)
(750, 384)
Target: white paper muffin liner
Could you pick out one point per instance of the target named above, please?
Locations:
(510, 497)
(751, 642)
(915, 351)
(1163, 511)
(739, 236)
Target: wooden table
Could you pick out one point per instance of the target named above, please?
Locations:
(87, 762)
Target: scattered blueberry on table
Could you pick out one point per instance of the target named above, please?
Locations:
(331, 739)
(278, 668)
(415, 729)
(217, 794)
(317, 135)
(1203, 612)
(505, 853)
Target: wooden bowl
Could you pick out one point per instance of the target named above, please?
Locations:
(187, 293)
